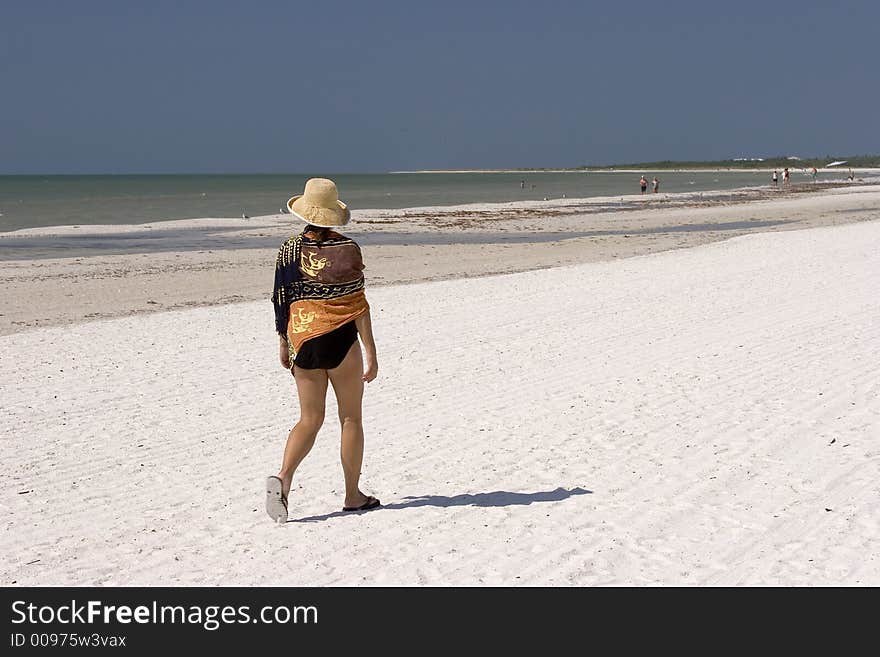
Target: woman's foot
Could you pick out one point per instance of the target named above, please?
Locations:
(361, 503)
(276, 500)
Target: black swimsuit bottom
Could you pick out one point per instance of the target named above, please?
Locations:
(327, 351)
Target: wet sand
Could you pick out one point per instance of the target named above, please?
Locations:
(114, 271)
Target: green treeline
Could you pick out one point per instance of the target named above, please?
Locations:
(769, 162)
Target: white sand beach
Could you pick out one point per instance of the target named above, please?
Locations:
(701, 416)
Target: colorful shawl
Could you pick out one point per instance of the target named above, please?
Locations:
(319, 286)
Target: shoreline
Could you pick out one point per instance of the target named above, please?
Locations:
(378, 217)
(400, 246)
(45, 216)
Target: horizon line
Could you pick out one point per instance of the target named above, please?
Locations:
(669, 163)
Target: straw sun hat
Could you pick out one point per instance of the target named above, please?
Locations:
(319, 204)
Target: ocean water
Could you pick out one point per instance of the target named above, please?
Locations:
(30, 201)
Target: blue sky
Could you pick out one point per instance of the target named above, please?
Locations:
(154, 87)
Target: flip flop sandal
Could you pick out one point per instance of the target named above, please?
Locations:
(276, 503)
(371, 503)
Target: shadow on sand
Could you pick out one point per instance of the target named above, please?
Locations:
(495, 498)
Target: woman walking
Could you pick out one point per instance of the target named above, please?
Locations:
(320, 310)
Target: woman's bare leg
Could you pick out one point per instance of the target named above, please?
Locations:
(348, 385)
(311, 386)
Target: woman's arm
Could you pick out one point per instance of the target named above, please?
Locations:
(287, 276)
(365, 330)
(283, 352)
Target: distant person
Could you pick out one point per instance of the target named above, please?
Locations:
(522, 184)
(643, 183)
(786, 176)
(320, 310)
(814, 172)
(775, 178)
(655, 184)
(851, 176)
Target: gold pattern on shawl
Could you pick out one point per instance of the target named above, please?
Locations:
(301, 323)
(313, 266)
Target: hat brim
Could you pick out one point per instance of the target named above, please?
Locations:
(318, 215)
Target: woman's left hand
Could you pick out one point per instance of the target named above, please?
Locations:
(284, 355)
